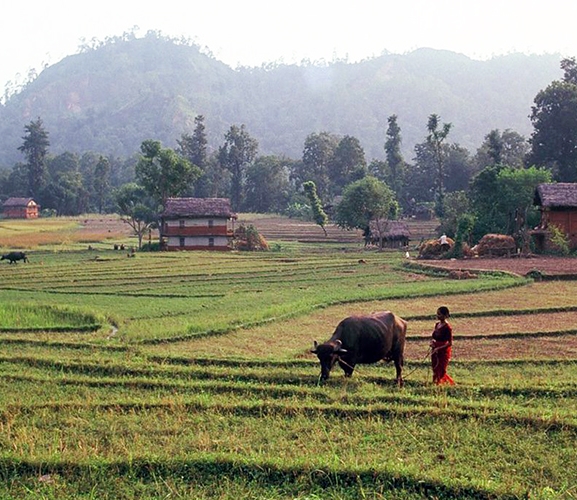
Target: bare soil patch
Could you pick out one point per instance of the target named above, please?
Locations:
(105, 225)
(547, 265)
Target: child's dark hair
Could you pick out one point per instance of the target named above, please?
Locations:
(444, 311)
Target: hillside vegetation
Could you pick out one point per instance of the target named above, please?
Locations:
(110, 98)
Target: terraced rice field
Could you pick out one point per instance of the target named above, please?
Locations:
(277, 228)
(188, 375)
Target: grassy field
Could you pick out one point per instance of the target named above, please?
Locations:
(188, 375)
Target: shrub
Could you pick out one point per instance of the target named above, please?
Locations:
(151, 247)
(48, 212)
(559, 240)
(535, 274)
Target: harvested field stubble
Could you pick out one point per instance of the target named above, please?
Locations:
(502, 314)
(241, 414)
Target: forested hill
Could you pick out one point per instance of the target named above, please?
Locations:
(110, 98)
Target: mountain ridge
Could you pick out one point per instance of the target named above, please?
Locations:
(111, 98)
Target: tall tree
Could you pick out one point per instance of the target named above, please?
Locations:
(194, 147)
(162, 172)
(569, 67)
(348, 164)
(495, 147)
(554, 118)
(35, 149)
(101, 182)
(65, 191)
(421, 176)
(435, 138)
(66, 195)
(318, 153)
(237, 152)
(267, 185)
(395, 161)
(458, 167)
(508, 148)
(216, 180)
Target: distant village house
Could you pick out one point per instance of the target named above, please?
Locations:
(20, 208)
(558, 205)
(393, 233)
(196, 224)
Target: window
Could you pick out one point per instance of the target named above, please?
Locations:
(181, 241)
(210, 223)
(211, 242)
(181, 223)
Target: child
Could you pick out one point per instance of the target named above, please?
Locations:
(441, 348)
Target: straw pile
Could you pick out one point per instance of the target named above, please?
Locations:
(432, 249)
(496, 245)
(247, 238)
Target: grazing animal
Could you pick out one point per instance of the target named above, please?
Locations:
(13, 257)
(364, 340)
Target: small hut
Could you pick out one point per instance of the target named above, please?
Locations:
(558, 205)
(20, 208)
(392, 233)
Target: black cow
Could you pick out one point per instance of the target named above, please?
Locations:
(15, 256)
(364, 340)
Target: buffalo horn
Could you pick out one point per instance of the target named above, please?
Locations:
(338, 348)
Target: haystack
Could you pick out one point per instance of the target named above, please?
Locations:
(496, 245)
(432, 249)
(249, 239)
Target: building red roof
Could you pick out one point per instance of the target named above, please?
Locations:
(197, 207)
(18, 202)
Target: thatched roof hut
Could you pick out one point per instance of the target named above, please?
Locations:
(558, 195)
(393, 233)
(558, 205)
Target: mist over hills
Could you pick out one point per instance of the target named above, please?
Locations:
(110, 98)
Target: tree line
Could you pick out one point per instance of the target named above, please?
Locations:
(488, 191)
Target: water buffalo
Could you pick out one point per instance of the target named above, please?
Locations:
(364, 340)
(15, 256)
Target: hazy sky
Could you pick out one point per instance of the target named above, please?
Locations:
(251, 32)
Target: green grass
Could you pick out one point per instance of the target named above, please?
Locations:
(16, 317)
(89, 415)
(136, 413)
(159, 297)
